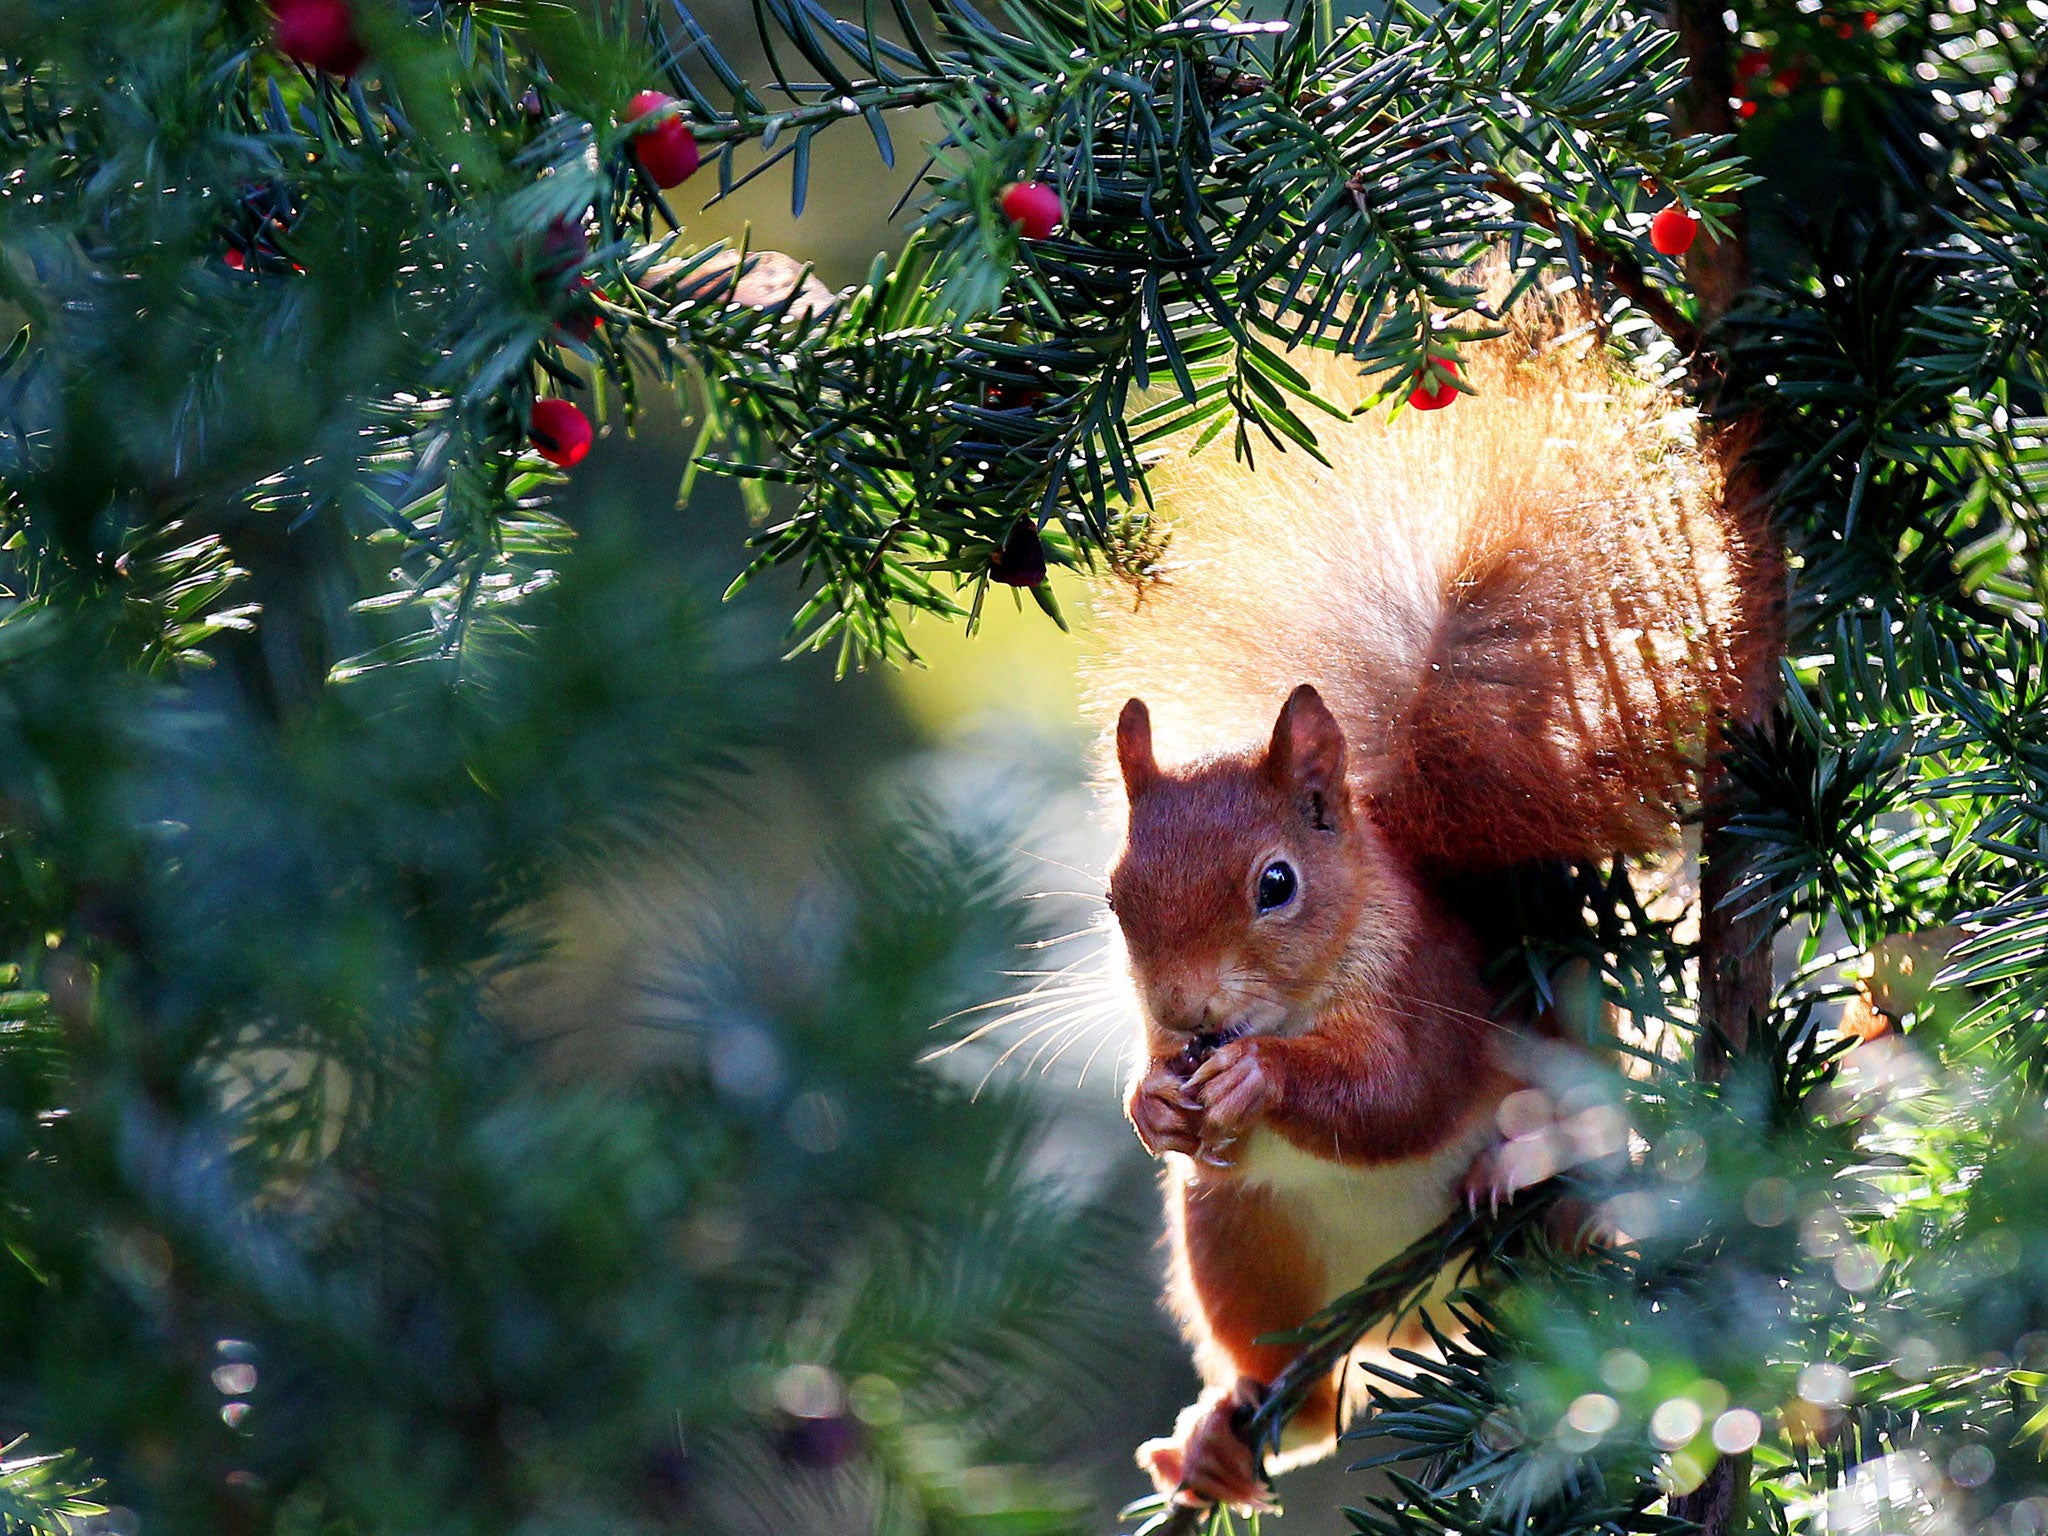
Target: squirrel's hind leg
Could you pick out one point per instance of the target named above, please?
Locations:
(1208, 1457)
(1241, 1269)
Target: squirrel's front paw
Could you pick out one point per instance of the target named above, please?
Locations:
(1163, 1113)
(1235, 1087)
(1501, 1171)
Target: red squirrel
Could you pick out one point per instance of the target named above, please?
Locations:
(1484, 635)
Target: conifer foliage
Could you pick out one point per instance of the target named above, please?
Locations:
(307, 693)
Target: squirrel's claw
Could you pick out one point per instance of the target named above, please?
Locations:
(1237, 1087)
(1499, 1174)
(1214, 1065)
(1160, 1114)
(1207, 1461)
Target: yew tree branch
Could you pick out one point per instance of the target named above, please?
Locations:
(1616, 268)
(1185, 1520)
(2026, 107)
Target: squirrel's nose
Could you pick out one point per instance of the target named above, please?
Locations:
(1195, 1008)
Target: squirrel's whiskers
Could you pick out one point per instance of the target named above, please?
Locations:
(1055, 1010)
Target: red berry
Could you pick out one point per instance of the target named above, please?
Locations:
(234, 258)
(667, 149)
(1021, 560)
(1747, 109)
(320, 34)
(583, 319)
(1673, 231)
(1008, 397)
(560, 432)
(828, 1442)
(1754, 62)
(559, 247)
(1870, 21)
(1845, 31)
(1434, 397)
(1034, 208)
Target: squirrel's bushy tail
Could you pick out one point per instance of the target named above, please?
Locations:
(1528, 609)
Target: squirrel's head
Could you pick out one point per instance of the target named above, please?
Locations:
(1244, 878)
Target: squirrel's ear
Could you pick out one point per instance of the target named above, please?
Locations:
(1307, 754)
(1134, 747)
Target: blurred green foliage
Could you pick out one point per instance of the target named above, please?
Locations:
(316, 703)
(268, 1152)
(316, 698)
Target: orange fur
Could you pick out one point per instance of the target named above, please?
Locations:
(1525, 610)
(1242, 1269)
(1524, 619)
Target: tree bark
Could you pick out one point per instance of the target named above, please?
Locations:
(1735, 979)
(1735, 953)
(1720, 1503)
(1718, 269)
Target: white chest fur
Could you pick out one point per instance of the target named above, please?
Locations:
(1354, 1218)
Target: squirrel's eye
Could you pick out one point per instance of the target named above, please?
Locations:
(1276, 885)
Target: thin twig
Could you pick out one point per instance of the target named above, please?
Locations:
(1628, 278)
